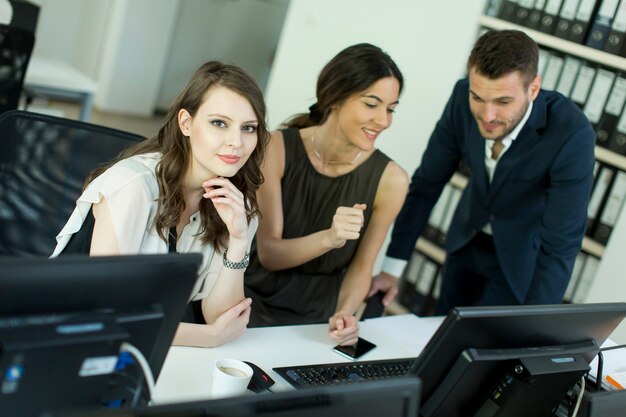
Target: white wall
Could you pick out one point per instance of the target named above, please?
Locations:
(610, 283)
(242, 32)
(92, 30)
(140, 53)
(133, 55)
(57, 30)
(121, 44)
(74, 32)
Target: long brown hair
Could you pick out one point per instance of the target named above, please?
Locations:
(176, 152)
(351, 71)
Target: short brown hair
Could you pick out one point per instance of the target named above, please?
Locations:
(498, 53)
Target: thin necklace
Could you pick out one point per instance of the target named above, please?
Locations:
(322, 160)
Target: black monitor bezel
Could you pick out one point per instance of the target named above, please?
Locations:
(603, 404)
(314, 401)
(75, 283)
(507, 327)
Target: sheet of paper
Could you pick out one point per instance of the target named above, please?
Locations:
(398, 328)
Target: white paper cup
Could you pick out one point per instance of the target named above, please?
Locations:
(230, 378)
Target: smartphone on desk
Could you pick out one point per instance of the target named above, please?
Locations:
(355, 351)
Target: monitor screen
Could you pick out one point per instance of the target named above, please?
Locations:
(574, 331)
(390, 398)
(63, 320)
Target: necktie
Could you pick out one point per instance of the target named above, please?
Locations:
(496, 148)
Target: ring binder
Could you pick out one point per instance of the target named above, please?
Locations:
(602, 24)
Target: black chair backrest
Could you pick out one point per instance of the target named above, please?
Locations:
(16, 46)
(44, 161)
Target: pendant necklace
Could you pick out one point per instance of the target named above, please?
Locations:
(322, 160)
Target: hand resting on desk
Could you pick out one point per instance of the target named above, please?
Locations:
(343, 328)
(229, 326)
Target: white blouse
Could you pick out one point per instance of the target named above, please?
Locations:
(131, 191)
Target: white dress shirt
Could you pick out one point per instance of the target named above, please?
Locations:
(131, 191)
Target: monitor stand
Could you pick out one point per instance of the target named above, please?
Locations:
(509, 382)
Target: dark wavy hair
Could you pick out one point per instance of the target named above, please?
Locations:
(500, 52)
(176, 152)
(351, 71)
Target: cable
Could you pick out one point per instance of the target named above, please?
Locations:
(604, 349)
(599, 375)
(580, 396)
(143, 364)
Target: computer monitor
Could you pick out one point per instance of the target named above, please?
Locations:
(472, 361)
(63, 320)
(390, 398)
(603, 404)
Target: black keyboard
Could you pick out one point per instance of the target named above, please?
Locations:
(304, 376)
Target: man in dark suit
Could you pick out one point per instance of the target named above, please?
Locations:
(521, 219)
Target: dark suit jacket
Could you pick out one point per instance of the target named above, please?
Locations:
(536, 203)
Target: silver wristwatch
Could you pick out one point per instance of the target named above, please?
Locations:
(236, 265)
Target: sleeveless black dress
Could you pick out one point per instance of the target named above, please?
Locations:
(308, 293)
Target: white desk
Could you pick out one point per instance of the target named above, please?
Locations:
(186, 373)
(56, 79)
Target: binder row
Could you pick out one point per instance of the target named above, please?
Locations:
(441, 215)
(607, 200)
(598, 91)
(420, 283)
(583, 274)
(419, 286)
(599, 24)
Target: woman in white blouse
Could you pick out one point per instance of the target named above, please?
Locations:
(191, 188)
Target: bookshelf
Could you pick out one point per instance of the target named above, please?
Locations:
(594, 252)
(558, 44)
(611, 158)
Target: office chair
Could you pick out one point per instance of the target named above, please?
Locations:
(16, 46)
(44, 161)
